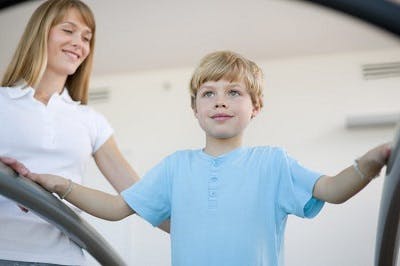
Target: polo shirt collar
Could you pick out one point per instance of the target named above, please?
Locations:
(67, 98)
(21, 90)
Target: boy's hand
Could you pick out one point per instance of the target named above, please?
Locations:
(51, 183)
(374, 160)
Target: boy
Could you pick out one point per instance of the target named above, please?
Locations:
(228, 204)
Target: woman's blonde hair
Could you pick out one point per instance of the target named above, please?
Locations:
(30, 58)
(232, 67)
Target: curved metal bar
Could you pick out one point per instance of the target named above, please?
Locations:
(9, 3)
(50, 208)
(387, 237)
(381, 13)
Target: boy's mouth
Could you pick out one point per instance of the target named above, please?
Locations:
(221, 117)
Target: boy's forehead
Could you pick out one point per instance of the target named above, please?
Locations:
(223, 81)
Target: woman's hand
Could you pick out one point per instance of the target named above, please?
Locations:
(15, 165)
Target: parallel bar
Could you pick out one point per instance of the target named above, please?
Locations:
(9, 3)
(53, 210)
(387, 237)
(383, 14)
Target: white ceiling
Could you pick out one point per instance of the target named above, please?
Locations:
(136, 35)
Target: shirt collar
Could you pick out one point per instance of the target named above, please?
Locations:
(218, 160)
(23, 89)
(67, 98)
(19, 91)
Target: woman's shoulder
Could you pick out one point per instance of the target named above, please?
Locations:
(3, 89)
(87, 110)
(4, 92)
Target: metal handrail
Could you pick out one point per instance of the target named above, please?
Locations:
(46, 205)
(388, 233)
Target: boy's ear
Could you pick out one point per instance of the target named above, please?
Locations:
(256, 111)
(194, 109)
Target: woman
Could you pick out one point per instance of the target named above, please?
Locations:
(47, 127)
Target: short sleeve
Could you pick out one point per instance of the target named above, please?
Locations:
(101, 130)
(150, 197)
(296, 184)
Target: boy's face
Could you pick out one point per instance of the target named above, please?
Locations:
(223, 108)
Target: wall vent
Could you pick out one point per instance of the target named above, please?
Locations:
(381, 70)
(373, 121)
(99, 95)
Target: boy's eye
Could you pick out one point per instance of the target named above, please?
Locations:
(234, 93)
(208, 94)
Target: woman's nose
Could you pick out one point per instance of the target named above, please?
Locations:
(77, 41)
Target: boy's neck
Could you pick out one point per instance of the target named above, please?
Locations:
(217, 147)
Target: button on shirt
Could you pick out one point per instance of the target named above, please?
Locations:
(58, 138)
(226, 210)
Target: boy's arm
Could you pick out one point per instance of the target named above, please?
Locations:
(95, 202)
(339, 188)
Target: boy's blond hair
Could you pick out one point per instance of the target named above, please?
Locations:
(232, 67)
(30, 58)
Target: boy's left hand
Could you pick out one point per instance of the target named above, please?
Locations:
(375, 159)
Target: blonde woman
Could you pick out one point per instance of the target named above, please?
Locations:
(47, 127)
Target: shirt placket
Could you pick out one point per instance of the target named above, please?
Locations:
(49, 128)
(213, 184)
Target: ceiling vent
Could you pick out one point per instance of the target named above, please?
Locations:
(99, 95)
(381, 70)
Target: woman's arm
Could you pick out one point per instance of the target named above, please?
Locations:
(117, 170)
(343, 186)
(114, 166)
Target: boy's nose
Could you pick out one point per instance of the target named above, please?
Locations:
(220, 105)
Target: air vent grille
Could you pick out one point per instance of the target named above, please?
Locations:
(373, 120)
(99, 95)
(381, 70)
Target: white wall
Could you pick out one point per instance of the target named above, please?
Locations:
(306, 103)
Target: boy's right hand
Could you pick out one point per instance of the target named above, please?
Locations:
(51, 183)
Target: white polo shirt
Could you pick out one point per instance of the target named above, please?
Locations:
(58, 138)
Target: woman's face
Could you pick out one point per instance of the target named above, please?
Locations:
(68, 44)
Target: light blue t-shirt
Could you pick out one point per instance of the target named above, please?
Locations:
(226, 210)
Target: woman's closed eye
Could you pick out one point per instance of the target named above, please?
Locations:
(67, 31)
(86, 39)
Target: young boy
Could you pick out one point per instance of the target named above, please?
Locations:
(228, 204)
